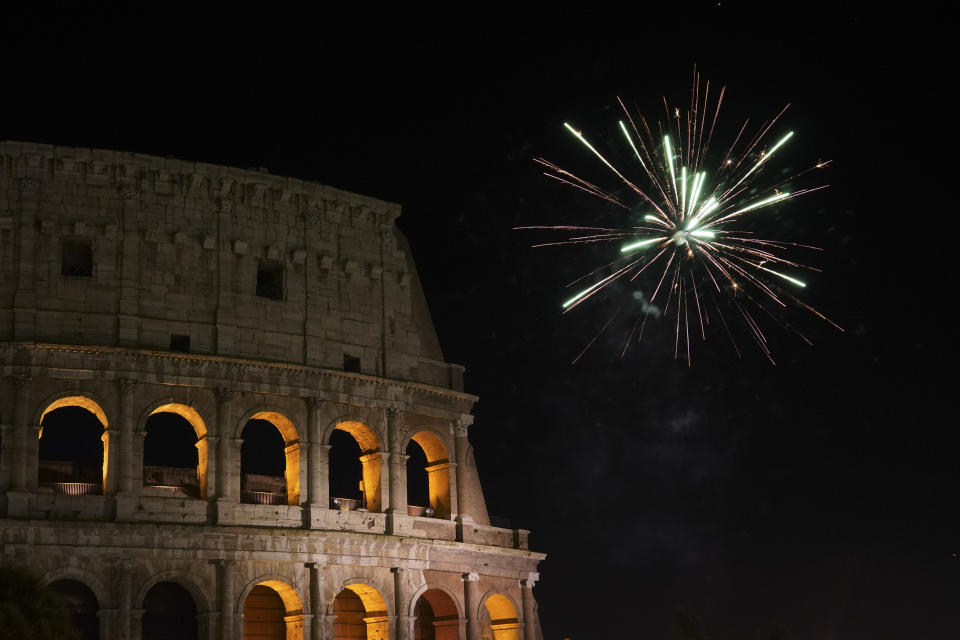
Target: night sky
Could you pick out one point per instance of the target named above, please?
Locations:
(817, 496)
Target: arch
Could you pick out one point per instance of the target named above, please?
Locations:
(437, 614)
(169, 613)
(192, 416)
(360, 605)
(454, 597)
(70, 478)
(437, 469)
(83, 604)
(499, 616)
(289, 597)
(363, 433)
(87, 578)
(292, 601)
(81, 399)
(291, 438)
(370, 459)
(182, 578)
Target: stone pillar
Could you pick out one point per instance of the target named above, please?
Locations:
(403, 590)
(207, 625)
(122, 630)
(317, 607)
(6, 455)
(464, 506)
(471, 602)
(526, 592)
(106, 621)
(211, 451)
(124, 452)
(119, 445)
(20, 434)
(226, 473)
(19, 451)
(225, 598)
(398, 462)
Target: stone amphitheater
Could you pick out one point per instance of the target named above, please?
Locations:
(165, 328)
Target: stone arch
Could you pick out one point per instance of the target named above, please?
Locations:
(196, 420)
(438, 468)
(436, 587)
(291, 439)
(82, 399)
(371, 462)
(89, 402)
(289, 596)
(84, 577)
(499, 615)
(436, 614)
(375, 613)
(182, 578)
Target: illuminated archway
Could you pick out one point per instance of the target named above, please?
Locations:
(436, 616)
(291, 458)
(370, 461)
(499, 619)
(272, 609)
(74, 446)
(437, 470)
(157, 425)
(359, 611)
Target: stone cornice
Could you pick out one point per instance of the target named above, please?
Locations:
(298, 380)
(134, 174)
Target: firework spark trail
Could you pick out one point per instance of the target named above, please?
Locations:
(693, 221)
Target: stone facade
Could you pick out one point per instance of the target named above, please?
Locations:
(134, 286)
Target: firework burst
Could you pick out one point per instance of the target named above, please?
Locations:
(690, 245)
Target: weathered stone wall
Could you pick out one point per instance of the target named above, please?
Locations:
(176, 250)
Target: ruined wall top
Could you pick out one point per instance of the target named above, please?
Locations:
(120, 249)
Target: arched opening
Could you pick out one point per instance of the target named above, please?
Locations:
(272, 611)
(359, 611)
(436, 617)
(355, 468)
(428, 476)
(175, 452)
(82, 605)
(270, 460)
(498, 619)
(169, 613)
(73, 447)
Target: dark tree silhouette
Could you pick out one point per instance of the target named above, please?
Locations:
(30, 610)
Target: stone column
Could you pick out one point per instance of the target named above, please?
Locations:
(471, 602)
(398, 462)
(318, 465)
(20, 434)
(119, 447)
(122, 630)
(317, 606)
(226, 471)
(212, 451)
(402, 588)
(124, 452)
(464, 507)
(20, 453)
(6, 455)
(526, 592)
(225, 597)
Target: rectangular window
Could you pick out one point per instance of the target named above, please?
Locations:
(351, 364)
(270, 280)
(76, 257)
(179, 343)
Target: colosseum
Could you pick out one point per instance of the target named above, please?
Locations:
(225, 412)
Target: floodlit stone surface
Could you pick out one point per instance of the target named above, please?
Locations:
(134, 286)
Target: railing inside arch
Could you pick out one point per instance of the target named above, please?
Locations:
(75, 488)
(262, 497)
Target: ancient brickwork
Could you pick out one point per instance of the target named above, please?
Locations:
(134, 287)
